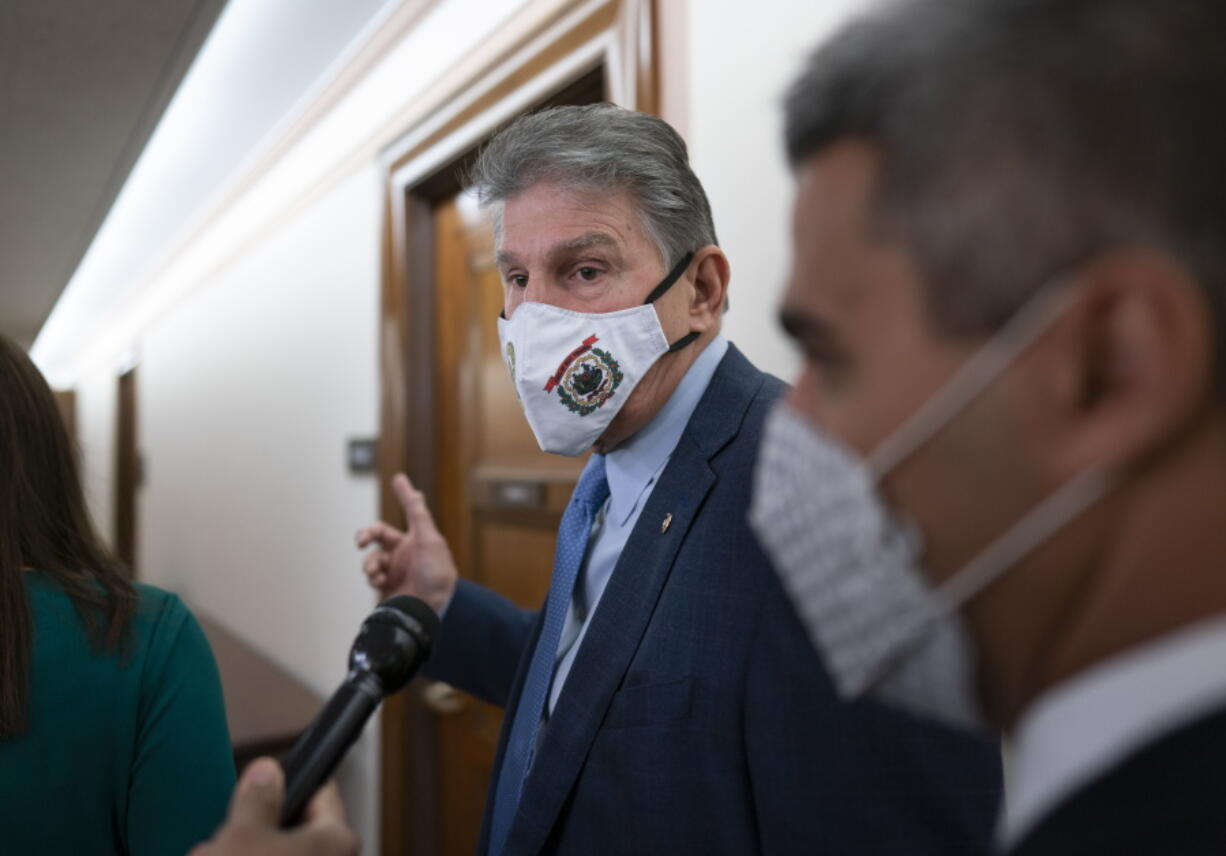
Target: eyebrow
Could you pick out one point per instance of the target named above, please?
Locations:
(505, 258)
(590, 239)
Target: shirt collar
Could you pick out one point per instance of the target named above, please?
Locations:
(634, 465)
(1083, 727)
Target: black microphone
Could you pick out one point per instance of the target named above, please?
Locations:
(393, 643)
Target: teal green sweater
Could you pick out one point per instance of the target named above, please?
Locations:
(120, 756)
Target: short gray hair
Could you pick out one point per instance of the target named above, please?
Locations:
(599, 148)
(1018, 137)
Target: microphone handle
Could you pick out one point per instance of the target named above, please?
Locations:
(321, 747)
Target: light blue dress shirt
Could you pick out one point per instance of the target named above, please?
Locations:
(632, 469)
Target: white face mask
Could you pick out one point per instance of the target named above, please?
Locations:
(574, 371)
(853, 569)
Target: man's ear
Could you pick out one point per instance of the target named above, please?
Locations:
(711, 275)
(1139, 360)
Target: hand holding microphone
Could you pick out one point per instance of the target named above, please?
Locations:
(251, 828)
(395, 640)
(391, 646)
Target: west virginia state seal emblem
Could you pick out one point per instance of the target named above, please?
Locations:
(587, 378)
(511, 359)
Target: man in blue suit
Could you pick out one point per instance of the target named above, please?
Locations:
(666, 698)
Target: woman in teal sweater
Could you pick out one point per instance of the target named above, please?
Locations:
(112, 729)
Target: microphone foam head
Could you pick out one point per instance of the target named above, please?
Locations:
(394, 641)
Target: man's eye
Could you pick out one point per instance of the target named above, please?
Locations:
(588, 274)
(518, 280)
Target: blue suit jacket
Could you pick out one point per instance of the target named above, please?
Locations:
(697, 718)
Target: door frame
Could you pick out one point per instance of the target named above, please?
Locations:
(619, 36)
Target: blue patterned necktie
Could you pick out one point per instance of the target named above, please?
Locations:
(590, 494)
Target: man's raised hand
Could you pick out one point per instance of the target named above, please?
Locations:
(417, 562)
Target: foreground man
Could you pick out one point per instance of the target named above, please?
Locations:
(1009, 286)
(666, 700)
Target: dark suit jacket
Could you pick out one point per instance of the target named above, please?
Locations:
(697, 718)
(1167, 799)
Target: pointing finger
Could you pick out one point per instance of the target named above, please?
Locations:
(404, 490)
(414, 503)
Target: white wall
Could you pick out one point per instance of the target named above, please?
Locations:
(249, 391)
(742, 57)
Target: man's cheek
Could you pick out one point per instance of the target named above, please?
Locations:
(803, 397)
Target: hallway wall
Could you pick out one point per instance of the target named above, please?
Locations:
(742, 58)
(250, 390)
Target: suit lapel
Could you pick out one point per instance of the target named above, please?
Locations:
(629, 599)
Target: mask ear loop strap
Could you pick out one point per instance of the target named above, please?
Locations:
(1057, 510)
(660, 290)
(673, 275)
(1038, 526)
(682, 342)
(973, 377)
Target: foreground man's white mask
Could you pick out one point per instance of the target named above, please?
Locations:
(574, 371)
(853, 569)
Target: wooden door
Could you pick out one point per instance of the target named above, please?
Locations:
(66, 401)
(498, 499)
(127, 472)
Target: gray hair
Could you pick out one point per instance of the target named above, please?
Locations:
(1018, 137)
(598, 148)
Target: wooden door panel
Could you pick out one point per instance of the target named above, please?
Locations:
(464, 776)
(498, 499)
(511, 558)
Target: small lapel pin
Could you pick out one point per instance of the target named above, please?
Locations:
(668, 518)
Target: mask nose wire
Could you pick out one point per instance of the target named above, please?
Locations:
(973, 377)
